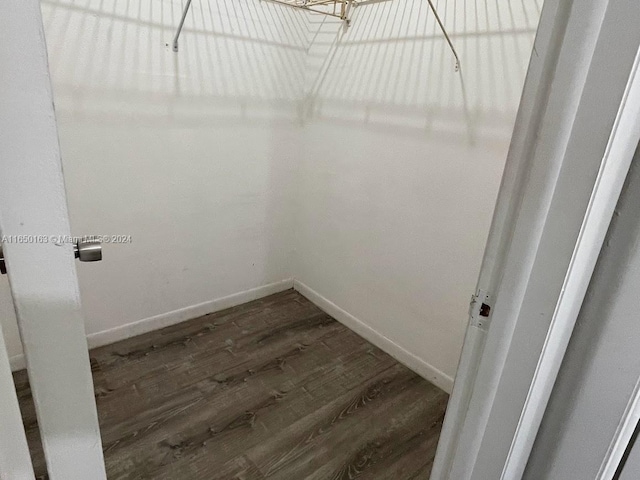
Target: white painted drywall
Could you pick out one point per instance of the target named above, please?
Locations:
(191, 153)
(380, 203)
(9, 323)
(400, 175)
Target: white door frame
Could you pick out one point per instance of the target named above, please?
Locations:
(623, 437)
(510, 360)
(611, 177)
(527, 125)
(15, 462)
(42, 274)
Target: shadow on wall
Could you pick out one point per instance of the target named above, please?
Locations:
(245, 59)
(237, 59)
(190, 152)
(393, 66)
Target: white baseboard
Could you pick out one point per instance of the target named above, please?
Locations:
(157, 322)
(17, 362)
(422, 368)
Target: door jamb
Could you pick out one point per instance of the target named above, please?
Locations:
(42, 274)
(527, 125)
(549, 41)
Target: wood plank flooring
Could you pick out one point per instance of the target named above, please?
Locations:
(273, 389)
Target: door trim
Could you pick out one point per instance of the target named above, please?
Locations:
(611, 177)
(480, 444)
(512, 186)
(624, 145)
(15, 461)
(42, 273)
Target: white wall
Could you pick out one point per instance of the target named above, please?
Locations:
(400, 174)
(380, 203)
(8, 320)
(191, 153)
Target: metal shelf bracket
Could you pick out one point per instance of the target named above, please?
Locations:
(341, 9)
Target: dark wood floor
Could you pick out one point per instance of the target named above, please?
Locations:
(271, 389)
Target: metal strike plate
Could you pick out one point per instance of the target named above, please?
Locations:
(480, 310)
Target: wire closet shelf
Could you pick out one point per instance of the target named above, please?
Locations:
(334, 8)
